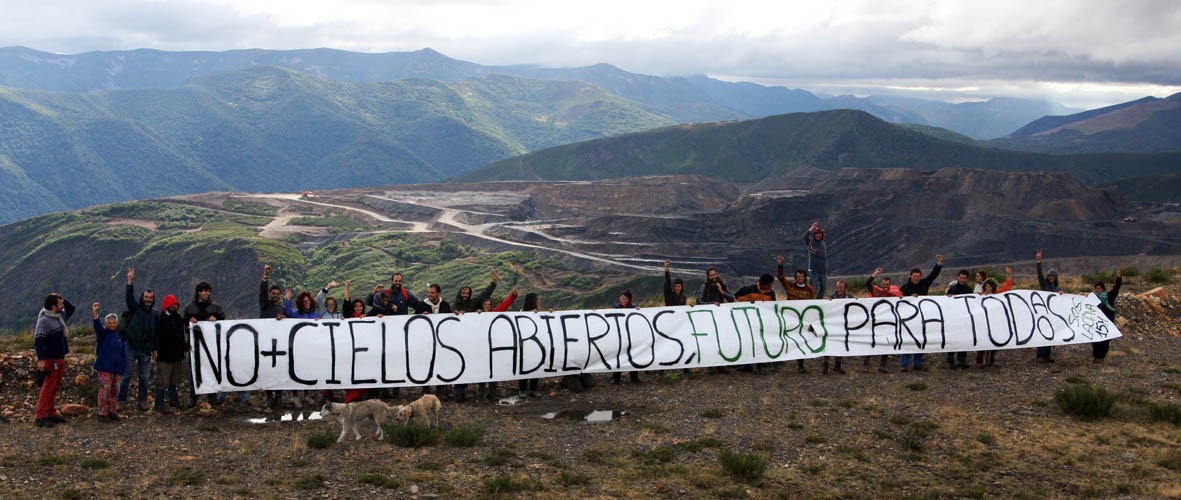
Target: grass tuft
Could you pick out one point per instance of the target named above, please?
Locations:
(320, 440)
(1085, 401)
(466, 435)
(94, 463)
(506, 485)
(1167, 412)
(310, 482)
(379, 479)
(743, 466)
(411, 436)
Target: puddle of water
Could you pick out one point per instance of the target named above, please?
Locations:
(594, 416)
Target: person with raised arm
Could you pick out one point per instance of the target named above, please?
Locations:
(328, 307)
(110, 361)
(1107, 306)
(674, 290)
(1047, 282)
(918, 286)
(139, 333)
(465, 302)
(817, 257)
(886, 289)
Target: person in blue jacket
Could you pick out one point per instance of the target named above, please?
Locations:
(110, 362)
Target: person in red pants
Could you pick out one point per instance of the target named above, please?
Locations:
(49, 339)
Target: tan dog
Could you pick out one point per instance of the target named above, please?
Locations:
(424, 408)
(349, 414)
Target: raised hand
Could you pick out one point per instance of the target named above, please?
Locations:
(939, 259)
(495, 276)
(667, 263)
(287, 295)
(1008, 271)
(779, 260)
(130, 275)
(876, 272)
(94, 310)
(1037, 257)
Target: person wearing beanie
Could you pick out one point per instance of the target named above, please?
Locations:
(169, 353)
(1047, 282)
(49, 340)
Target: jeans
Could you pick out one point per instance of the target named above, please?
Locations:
(905, 360)
(819, 282)
(144, 360)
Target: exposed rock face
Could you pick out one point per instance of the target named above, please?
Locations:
(616, 232)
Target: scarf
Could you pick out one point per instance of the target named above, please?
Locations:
(55, 315)
(1103, 302)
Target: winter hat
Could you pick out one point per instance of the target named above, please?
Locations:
(1052, 272)
(169, 301)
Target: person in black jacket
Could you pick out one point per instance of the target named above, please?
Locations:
(674, 290)
(139, 333)
(270, 297)
(918, 286)
(1047, 282)
(1107, 305)
(713, 291)
(202, 308)
(465, 302)
(960, 287)
(171, 346)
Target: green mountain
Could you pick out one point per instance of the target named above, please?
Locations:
(754, 150)
(1144, 125)
(271, 129)
(175, 243)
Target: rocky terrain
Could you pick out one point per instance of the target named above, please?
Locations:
(578, 242)
(979, 433)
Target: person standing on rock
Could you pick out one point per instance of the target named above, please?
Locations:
(960, 287)
(50, 342)
(110, 361)
(201, 308)
(817, 257)
(169, 353)
(918, 286)
(1047, 282)
(1107, 305)
(139, 333)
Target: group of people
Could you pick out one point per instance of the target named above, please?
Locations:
(143, 336)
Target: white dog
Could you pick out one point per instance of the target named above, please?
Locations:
(424, 408)
(349, 414)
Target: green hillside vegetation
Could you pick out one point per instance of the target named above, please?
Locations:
(173, 245)
(270, 129)
(753, 150)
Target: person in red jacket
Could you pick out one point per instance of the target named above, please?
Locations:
(886, 289)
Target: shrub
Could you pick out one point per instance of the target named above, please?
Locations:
(94, 463)
(567, 478)
(379, 479)
(917, 386)
(320, 440)
(187, 476)
(743, 466)
(309, 482)
(1130, 271)
(1171, 460)
(1076, 379)
(495, 486)
(411, 436)
(465, 435)
(1085, 401)
(663, 453)
(702, 443)
(986, 439)
(1168, 412)
(51, 460)
(500, 456)
(711, 414)
(1158, 276)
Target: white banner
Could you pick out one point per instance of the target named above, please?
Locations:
(397, 351)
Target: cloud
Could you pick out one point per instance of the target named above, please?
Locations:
(942, 43)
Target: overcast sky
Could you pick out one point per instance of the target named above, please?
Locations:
(1081, 53)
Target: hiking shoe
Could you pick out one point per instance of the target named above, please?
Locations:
(921, 369)
(883, 370)
(905, 368)
(113, 417)
(57, 419)
(44, 422)
(143, 406)
(837, 369)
